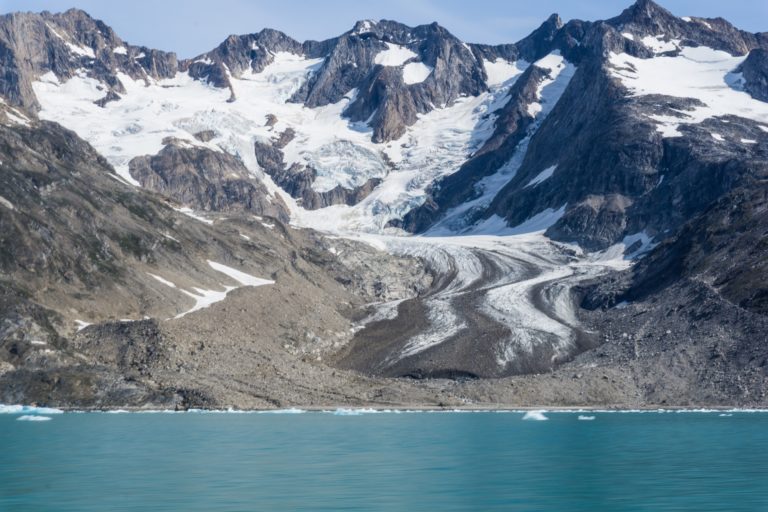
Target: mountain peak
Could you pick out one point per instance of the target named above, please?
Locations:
(554, 20)
(539, 42)
(363, 27)
(643, 12)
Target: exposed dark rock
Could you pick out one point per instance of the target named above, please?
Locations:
(111, 96)
(512, 125)
(646, 18)
(32, 44)
(609, 150)
(205, 180)
(205, 135)
(593, 222)
(383, 99)
(755, 72)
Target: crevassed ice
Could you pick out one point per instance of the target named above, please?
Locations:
(344, 164)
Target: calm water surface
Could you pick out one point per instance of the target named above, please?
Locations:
(409, 461)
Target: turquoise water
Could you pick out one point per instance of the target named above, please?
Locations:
(410, 461)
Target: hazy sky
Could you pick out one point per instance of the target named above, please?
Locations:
(191, 27)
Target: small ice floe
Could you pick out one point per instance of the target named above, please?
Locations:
(27, 409)
(347, 412)
(292, 410)
(28, 417)
(585, 418)
(535, 416)
(353, 412)
(725, 415)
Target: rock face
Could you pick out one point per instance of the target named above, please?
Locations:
(78, 247)
(608, 176)
(755, 73)
(512, 126)
(646, 18)
(34, 44)
(207, 180)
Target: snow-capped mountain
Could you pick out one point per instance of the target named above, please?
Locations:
(537, 173)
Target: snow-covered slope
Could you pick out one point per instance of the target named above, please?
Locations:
(340, 151)
(705, 74)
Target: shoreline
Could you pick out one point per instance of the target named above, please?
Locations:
(346, 409)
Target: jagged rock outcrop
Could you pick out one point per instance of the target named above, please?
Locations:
(754, 71)
(207, 180)
(513, 122)
(646, 18)
(607, 174)
(387, 97)
(33, 44)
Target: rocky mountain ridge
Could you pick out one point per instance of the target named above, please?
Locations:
(579, 215)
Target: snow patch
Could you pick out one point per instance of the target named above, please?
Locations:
(206, 298)
(189, 212)
(82, 325)
(500, 71)
(120, 50)
(542, 176)
(7, 203)
(83, 51)
(241, 277)
(416, 72)
(538, 223)
(394, 55)
(646, 244)
(164, 281)
(551, 88)
(717, 137)
(659, 45)
(702, 73)
(748, 141)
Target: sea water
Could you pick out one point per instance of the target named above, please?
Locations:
(358, 460)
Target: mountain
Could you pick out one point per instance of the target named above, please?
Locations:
(238, 229)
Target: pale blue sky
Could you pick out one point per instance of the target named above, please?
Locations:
(191, 27)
